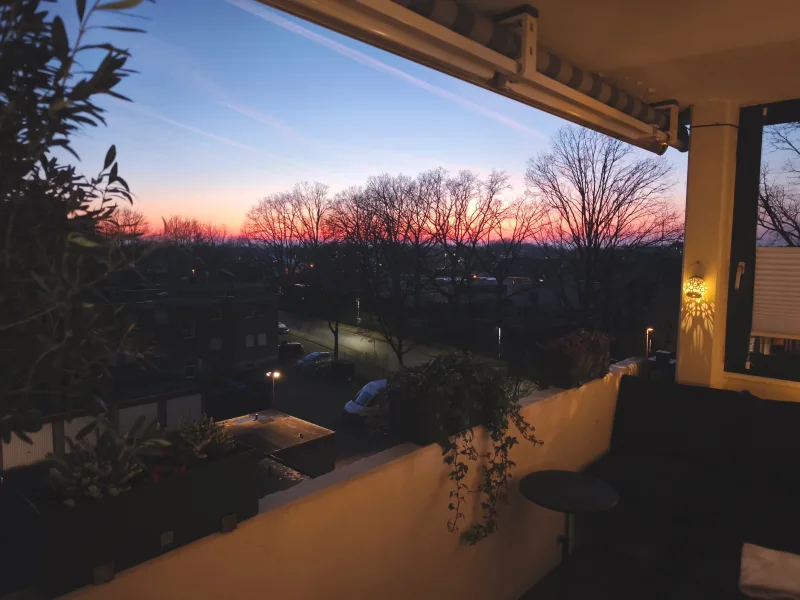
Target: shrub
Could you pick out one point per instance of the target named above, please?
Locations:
(61, 330)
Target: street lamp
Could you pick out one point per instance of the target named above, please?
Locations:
(647, 342)
(273, 375)
(358, 312)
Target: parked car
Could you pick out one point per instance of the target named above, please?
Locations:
(282, 329)
(364, 405)
(290, 350)
(315, 361)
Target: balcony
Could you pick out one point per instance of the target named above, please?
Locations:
(377, 528)
(706, 503)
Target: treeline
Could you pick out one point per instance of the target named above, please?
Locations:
(589, 201)
(396, 241)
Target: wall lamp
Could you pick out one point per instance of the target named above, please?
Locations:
(695, 287)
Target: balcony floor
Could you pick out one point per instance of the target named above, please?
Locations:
(606, 576)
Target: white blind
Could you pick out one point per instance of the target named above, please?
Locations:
(776, 298)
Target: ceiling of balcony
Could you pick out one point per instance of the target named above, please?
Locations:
(690, 50)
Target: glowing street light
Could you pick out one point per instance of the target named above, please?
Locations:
(647, 342)
(273, 375)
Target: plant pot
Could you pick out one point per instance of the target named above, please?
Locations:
(92, 541)
(20, 536)
(417, 423)
(570, 371)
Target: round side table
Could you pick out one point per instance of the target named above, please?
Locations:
(571, 493)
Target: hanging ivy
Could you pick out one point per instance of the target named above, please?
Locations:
(442, 401)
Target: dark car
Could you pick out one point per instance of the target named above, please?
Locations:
(290, 350)
(314, 361)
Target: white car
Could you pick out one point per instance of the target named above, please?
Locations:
(363, 405)
(282, 328)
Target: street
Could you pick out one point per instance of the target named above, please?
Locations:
(353, 343)
(320, 400)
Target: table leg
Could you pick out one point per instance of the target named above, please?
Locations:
(565, 545)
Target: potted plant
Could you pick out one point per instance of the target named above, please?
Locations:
(116, 501)
(441, 402)
(575, 359)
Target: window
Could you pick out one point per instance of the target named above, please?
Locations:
(190, 367)
(160, 316)
(262, 339)
(216, 313)
(248, 341)
(763, 321)
(215, 343)
(250, 311)
(188, 330)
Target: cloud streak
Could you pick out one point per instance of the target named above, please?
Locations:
(183, 65)
(378, 65)
(149, 112)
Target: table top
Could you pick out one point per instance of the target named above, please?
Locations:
(568, 491)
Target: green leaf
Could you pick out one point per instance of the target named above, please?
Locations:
(86, 430)
(77, 238)
(110, 156)
(137, 425)
(81, 6)
(121, 28)
(119, 5)
(158, 442)
(60, 40)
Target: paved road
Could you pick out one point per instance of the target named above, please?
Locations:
(353, 340)
(319, 400)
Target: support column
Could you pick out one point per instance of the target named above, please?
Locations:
(709, 213)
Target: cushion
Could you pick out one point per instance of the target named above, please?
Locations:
(773, 448)
(765, 518)
(690, 423)
(690, 493)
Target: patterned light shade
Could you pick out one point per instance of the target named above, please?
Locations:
(695, 287)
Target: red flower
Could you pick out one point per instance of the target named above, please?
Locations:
(156, 477)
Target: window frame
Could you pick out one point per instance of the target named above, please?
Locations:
(744, 234)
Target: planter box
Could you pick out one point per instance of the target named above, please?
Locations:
(91, 542)
(569, 371)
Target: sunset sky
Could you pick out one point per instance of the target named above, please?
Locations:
(235, 100)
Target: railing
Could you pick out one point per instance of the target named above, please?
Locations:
(377, 528)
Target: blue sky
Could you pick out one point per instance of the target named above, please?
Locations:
(235, 100)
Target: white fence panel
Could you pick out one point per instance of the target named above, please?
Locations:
(186, 407)
(18, 453)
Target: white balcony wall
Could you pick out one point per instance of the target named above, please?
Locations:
(376, 528)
